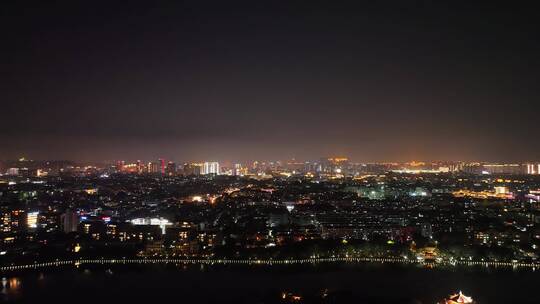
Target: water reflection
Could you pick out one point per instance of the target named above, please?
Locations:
(10, 285)
(229, 284)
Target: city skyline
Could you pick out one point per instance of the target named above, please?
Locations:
(178, 160)
(324, 167)
(270, 81)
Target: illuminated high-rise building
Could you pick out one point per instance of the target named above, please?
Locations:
(32, 219)
(239, 170)
(533, 169)
(153, 167)
(13, 171)
(5, 222)
(503, 169)
(162, 166)
(171, 168)
(139, 167)
(70, 221)
(41, 173)
(18, 220)
(120, 165)
(501, 190)
(210, 168)
(333, 165)
(192, 169)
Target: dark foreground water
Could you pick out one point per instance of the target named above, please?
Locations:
(263, 284)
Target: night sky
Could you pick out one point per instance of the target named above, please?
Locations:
(294, 79)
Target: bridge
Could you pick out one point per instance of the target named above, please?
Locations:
(266, 262)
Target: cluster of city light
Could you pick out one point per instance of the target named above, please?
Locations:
(161, 222)
(420, 171)
(498, 192)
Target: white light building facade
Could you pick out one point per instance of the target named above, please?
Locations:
(210, 168)
(32, 219)
(533, 169)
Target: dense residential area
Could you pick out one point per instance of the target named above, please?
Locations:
(436, 213)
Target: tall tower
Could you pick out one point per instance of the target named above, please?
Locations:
(162, 166)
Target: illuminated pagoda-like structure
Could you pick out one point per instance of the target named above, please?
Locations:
(458, 298)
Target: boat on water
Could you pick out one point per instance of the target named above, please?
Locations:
(458, 298)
